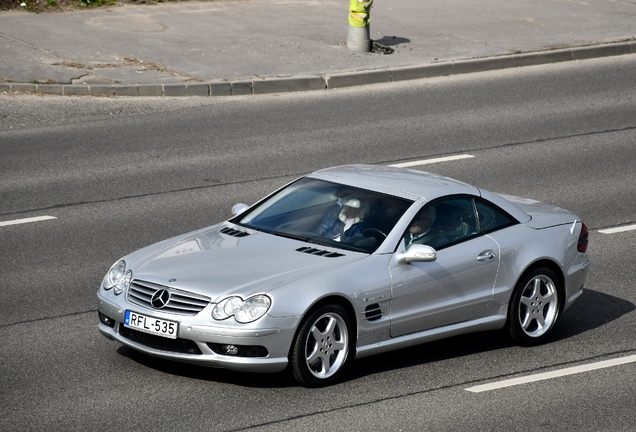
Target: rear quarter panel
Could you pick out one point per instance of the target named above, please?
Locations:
(521, 246)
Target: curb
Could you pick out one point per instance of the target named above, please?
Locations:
(326, 82)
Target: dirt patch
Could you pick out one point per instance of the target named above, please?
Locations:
(38, 6)
(381, 49)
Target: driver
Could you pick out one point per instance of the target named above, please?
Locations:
(344, 221)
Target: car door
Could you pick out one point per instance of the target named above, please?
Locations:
(455, 287)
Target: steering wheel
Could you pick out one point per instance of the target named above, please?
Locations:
(374, 230)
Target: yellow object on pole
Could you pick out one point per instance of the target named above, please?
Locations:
(359, 13)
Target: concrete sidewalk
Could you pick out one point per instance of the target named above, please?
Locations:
(263, 46)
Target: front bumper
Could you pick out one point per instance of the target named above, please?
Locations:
(198, 335)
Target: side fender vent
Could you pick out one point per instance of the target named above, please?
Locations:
(373, 312)
(319, 252)
(234, 232)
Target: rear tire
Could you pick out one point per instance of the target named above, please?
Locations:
(322, 347)
(535, 306)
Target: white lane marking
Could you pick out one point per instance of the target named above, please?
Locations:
(27, 220)
(618, 230)
(553, 374)
(430, 161)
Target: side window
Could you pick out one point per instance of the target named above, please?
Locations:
(490, 218)
(443, 223)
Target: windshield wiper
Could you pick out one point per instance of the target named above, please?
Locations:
(304, 238)
(292, 236)
(320, 242)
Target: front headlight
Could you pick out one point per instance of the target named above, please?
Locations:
(243, 311)
(117, 277)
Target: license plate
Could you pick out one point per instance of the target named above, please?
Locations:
(151, 325)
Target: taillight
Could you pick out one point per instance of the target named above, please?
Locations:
(582, 245)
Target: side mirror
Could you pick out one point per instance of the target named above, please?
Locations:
(419, 253)
(239, 208)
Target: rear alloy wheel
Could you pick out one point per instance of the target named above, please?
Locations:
(322, 347)
(534, 308)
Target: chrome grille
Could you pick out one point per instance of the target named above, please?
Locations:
(181, 302)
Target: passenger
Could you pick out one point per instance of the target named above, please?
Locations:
(344, 221)
(420, 230)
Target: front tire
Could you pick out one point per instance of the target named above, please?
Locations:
(322, 347)
(534, 308)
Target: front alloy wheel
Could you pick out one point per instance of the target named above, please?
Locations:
(322, 347)
(534, 309)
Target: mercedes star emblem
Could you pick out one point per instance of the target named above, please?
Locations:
(160, 299)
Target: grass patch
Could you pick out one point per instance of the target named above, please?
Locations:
(38, 6)
(84, 3)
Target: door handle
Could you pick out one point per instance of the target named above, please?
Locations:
(485, 256)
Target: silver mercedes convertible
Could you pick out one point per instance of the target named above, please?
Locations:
(345, 263)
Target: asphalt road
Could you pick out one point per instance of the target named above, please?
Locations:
(118, 174)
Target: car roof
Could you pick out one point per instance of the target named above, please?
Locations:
(401, 182)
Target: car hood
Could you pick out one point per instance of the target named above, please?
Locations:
(229, 260)
(542, 215)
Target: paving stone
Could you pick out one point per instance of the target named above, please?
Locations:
(358, 78)
(76, 90)
(600, 51)
(151, 90)
(220, 88)
(424, 71)
(289, 84)
(101, 90)
(54, 89)
(544, 57)
(127, 90)
(198, 89)
(480, 65)
(241, 87)
(24, 87)
(174, 90)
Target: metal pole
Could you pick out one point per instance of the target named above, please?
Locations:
(359, 38)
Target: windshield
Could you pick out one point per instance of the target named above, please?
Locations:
(327, 213)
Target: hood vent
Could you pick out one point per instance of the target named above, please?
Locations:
(373, 312)
(234, 232)
(319, 252)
